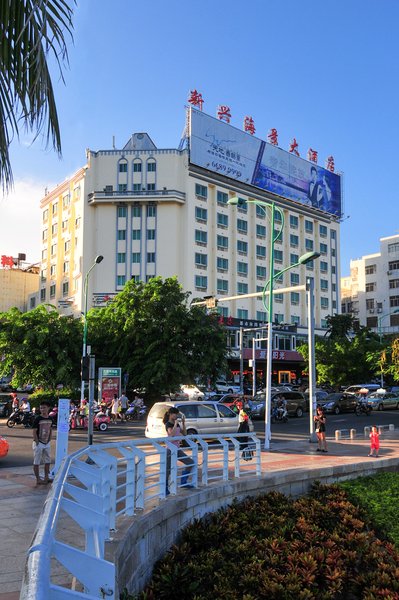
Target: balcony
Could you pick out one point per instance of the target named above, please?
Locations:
(107, 195)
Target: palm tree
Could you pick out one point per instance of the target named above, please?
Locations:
(30, 31)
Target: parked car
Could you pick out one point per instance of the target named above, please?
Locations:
(5, 405)
(203, 418)
(230, 399)
(321, 395)
(338, 402)
(355, 389)
(5, 384)
(296, 404)
(192, 392)
(381, 401)
(227, 387)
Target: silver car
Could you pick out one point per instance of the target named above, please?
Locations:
(202, 418)
(379, 401)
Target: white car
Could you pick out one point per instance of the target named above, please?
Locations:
(227, 387)
(192, 392)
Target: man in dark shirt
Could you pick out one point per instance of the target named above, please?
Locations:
(41, 443)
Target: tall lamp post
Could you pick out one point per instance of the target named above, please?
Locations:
(380, 319)
(268, 302)
(97, 260)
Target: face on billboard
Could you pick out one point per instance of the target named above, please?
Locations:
(221, 148)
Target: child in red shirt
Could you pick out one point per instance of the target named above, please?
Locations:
(374, 441)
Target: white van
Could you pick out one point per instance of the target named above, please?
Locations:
(202, 418)
(355, 389)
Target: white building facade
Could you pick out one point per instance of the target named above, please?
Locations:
(371, 292)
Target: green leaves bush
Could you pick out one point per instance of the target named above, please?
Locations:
(318, 547)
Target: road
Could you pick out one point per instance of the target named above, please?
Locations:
(20, 439)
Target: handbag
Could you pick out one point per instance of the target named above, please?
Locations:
(247, 454)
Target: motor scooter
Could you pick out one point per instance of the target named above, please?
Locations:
(18, 417)
(53, 414)
(135, 412)
(101, 421)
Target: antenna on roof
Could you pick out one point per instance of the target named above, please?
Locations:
(113, 142)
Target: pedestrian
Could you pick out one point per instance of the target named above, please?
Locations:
(177, 428)
(115, 408)
(41, 443)
(124, 403)
(374, 441)
(25, 408)
(320, 428)
(243, 427)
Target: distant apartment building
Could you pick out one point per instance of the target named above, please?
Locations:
(17, 286)
(152, 211)
(371, 292)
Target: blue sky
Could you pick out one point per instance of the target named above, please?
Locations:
(323, 72)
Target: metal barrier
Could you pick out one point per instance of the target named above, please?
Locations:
(100, 483)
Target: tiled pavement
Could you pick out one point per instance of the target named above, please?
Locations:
(21, 500)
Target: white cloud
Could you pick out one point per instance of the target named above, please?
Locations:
(20, 220)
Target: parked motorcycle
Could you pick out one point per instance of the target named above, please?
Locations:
(20, 418)
(101, 421)
(136, 413)
(362, 408)
(279, 414)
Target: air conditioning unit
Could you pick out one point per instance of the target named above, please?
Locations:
(371, 311)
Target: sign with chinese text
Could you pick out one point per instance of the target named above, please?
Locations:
(219, 147)
(109, 383)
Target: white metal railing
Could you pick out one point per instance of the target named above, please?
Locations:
(100, 483)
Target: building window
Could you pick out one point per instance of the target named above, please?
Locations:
(222, 286)
(293, 222)
(122, 188)
(294, 258)
(77, 222)
(309, 245)
(242, 226)
(42, 294)
(370, 287)
(222, 264)
(393, 248)
(324, 303)
(44, 234)
(294, 298)
(136, 257)
(201, 191)
(324, 324)
(45, 215)
(52, 290)
(242, 247)
(393, 283)
(393, 301)
(310, 265)
(333, 251)
(260, 211)
(323, 230)
(260, 272)
(243, 207)
(122, 211)
(43, 275)
(123, 167)
(333, 234)
(324, 285)
(260, 231)
(201, 214)
(279, 233)
(121, 234)
(309, 226)
(201, 237)
(201, 260)
(64, 224)
(242, 288)
(201, 282)
(221, 197)
(223, 311)
(121, 280)
(278, 276)
(53, 249)
(151, 210)
(54, 208)
(278, 256)
(278, 218)
(260, 251)
(121, 257)
(261, 316)
(323, 266)
(393, 265)
(278, 318)
(136, 211)
(136, 234)
(54, 229)
(150, 234)
(370, 304)
(295, 320)
(66, 266)
(65, 288)
(151, 187)
(242, 268)
(222, 220)
(44, 254)
(137, 167)
(151, 166)
(333, 270)
(323, 248)
(137, 187)
(53, 270)
(294, 278)
(294, 240)
(278, 298)
(242, 313)
(150, 257)
(222, 242)
(370, 269)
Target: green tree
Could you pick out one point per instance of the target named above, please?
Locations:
(40, 347)
(156, 337)
(31, 30)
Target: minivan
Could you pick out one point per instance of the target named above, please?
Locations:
(202, 418)
(355, 389)
(296, 404)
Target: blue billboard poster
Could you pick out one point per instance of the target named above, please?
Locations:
(219, 147)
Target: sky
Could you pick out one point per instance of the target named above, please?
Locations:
(323, 72)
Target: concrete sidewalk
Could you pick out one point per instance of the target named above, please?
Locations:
(21, 500)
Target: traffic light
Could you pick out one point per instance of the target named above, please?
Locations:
(85, 368)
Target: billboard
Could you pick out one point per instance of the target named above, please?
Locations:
(109, 382)
(219, 147)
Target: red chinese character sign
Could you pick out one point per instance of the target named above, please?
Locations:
(330, 164)
(272, 137)
(294, 147)
(249, 125)
(7, 261)
(195, 98)
(312, 155)
(223, 113)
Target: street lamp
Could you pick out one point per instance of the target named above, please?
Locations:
(309, 256)
(97, 260)
(379, 328)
